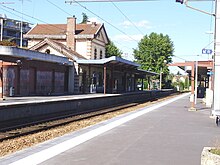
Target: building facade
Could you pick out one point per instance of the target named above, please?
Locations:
(84, 45)
(11, 30)
(25, 72)
(88, 40)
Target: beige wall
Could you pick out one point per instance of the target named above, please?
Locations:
(52, 51)
(84, 47)
(33, 42)
(81, 48)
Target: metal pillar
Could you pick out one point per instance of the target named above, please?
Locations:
(104, 77)
(21, 32)
(216, 108)
(2, 24)
(196, 82)
(192, 97)
(1, 81)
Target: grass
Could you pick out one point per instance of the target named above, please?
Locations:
(215, 151)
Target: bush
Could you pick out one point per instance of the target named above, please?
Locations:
(215, 151)
(7, 43)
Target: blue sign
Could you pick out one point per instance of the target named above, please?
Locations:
(210, 73)
(206, 51)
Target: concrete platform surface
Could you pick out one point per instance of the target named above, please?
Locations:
(42, 99)
(163, 134)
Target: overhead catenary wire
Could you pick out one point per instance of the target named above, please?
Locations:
(59, 7)
(16, 15)
(71, 15)
(42, 20)
(126, 16)
(32, 17)
(104, 20)
(180, 57)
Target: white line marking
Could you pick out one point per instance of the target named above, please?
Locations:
(48, 153)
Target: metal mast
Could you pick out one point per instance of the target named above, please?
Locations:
(21, 37)
(216, 107)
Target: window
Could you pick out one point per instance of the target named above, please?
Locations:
(95, 54)
(100, 54)
(47, 51)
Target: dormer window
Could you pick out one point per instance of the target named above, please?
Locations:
(95, 54)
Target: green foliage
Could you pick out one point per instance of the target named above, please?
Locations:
(7, 43)
(154, 52)
(85, 18)
(215, 151)
(112, 50)
(187, 83)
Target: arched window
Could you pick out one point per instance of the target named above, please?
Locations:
(95, 54)
(100, 54)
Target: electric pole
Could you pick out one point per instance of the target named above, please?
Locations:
(21, 37)
(216, 107)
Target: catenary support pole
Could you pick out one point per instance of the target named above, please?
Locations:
(196, 82)
(192, 97)
(216, 105)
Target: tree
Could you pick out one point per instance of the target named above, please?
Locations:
(85, 18)
(154, 52)
(112, 50)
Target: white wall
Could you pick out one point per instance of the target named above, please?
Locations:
(81, 48)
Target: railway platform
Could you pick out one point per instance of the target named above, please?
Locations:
(8, 101)
(161, 134)
(26, 108)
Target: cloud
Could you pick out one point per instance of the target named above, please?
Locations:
(140, 24)
(126, 38)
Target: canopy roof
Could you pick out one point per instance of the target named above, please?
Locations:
(116, 61)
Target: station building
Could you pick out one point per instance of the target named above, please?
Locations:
(67, 59)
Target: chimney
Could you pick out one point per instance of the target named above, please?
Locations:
(70, 38)
(93, 24)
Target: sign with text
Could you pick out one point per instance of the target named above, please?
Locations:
(206, 51)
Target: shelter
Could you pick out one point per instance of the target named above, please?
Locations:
(25, 72)
(111, 75)
(202, 82)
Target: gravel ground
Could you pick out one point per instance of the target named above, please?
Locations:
(13, 145)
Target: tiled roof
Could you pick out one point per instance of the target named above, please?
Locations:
(60, 48)
(60, 29)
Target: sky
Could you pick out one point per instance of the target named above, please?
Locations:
(127, 22)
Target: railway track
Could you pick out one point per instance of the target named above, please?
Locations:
(17, 130)
(29, 128)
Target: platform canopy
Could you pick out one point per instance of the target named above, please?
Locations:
(11, 54)
(117, 61)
